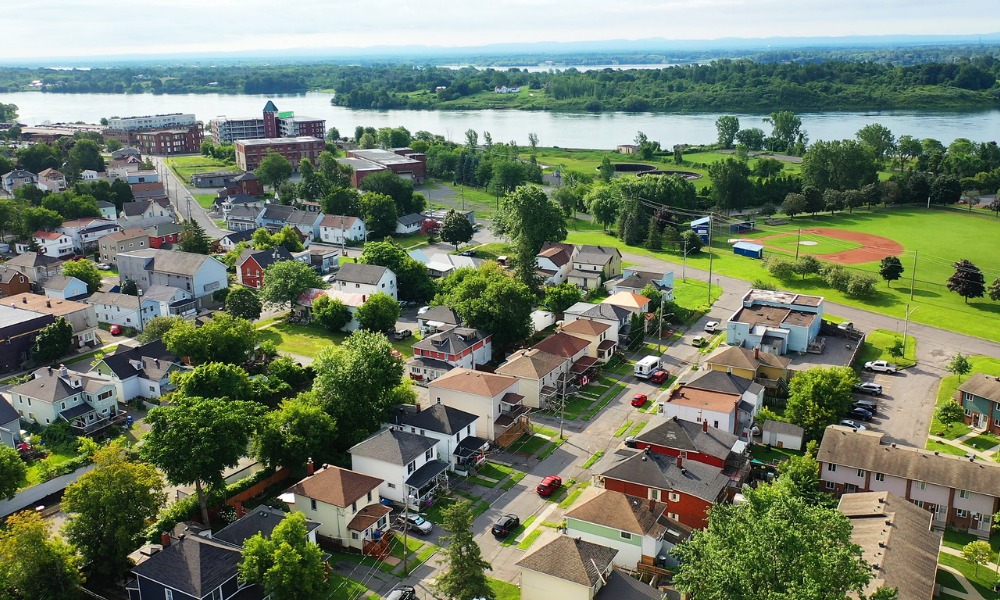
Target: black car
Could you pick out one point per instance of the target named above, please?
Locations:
(505, 525)
(860, 413)
(402, 592)
(867, 405)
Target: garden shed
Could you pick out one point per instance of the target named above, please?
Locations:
(748, 249)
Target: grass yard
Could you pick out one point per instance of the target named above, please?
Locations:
(204, 200)
(341, 588)
(34, 474)
(637, 429)
(186, 166)
(982, 442)
(573, 495)
(772, 454)
(530, 539)
(958, 540)
(621, 430)
(433, 513)
(877, 344)
(981, 579)
(946, 393)
(503, 590)
(949, 581)
(492, 251)
(511, 539)
(608, 396)
(596, 456)
(944, 448)
(89, 356)
(308, 340)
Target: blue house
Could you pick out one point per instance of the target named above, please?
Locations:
(701, 226)
(748, 249)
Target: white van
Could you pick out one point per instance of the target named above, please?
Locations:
(646, 367)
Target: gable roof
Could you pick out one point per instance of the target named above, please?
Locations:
(137, 207)
(7, 275)
(585, 327)
(193, 565)
(410, 219)
(610, 312)
(361, 273)
(338, 221)
(982, 385)
(277, 212)
(531, 364)
(618, 511)
(8, 413)
(48, 385)
(243, 212)
(439, 418)
(723, 383)
(661, 472)
(236, 237)
(393, 446)
(477, 383)
(441, 314)
(125, 234)
(739, 357)
(336, 486)
(572, 559)
(262, 520)
(596, 255)
(896, 539)
(173, 261)
(264, 258)
(454, 340)
(153, 358)
(865, 450)
(303, 217)
(640, 279)
(32, 260)
(629, 300)
(623, 587)
(162, 229)
(690, 436)
(115, 299)
(558, 255)
(562, 344)
(59, 282)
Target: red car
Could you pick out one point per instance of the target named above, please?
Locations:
(659, 377)
(116, 330)
(548, 485)
(639, 400)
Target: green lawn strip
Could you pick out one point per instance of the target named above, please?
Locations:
(981, 579)
(547, 452)
(610, 395)
(341, 588)
(621, 430)
(206, 201)
(638, 428)
(308, 340)
(948, 580)
(515, 478)
(511, 539)
(90, 355)
(530, 539)
(503, 590)
(946, 393)
(573, 495)
(769, 454)
(35, 468)
(877, 344)
(489, 483)
(982, 442)
(945, 448)
(958, 540)
(529, 444)
(596, 456)
(413, 545)
(366, 561)
(186, 166)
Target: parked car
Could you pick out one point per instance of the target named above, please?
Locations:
(330, 278)
(402, 334)
(505, 525)
(639, 400)
(550, 484)
(104, 266)
(698, 341)
(868, 387)
(852, 424)
(867, 405)
(402, 592)
(860, 413)
(659, 377)
(418, 524)
(469, 253)
(712, 326)
(880, 366)
(115, 329)
(423, 309)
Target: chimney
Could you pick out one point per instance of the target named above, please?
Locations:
(756, 353)
(164, 538)
(310, 467)
(48, 303)
(63, 371)
(680, 461)
(704, 425)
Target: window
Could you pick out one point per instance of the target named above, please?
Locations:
(964, 494)
(410, 468)
(674, 497)
(968, 412)
(879, 476)
(673, 516)
(961, 513)
(354, 535)
(312, 504)
(861, 472)
(354, 506)
(850, 488)
(918, 503)
(392, 486)
(168, 594)
(831, 485)
(625, 535)
(831, 467)
(921, 485)
(429, 454)
(369, 496)
(217, 594)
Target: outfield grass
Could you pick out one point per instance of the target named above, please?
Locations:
(946, 393)
(817, 245)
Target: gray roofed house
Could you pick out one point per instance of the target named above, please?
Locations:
(10, 424)
(359, 278)
(620, 586)
(453, 341)
(438, 418)
(262, 520)
(275, 215)
(64, 288)
(692, 438)
(393, 446)
(361, 273)
(726, 383)
(453, 430)
(243, 217)
(88, 401)
(570, 559)
(36, 266)
(197, 273)
(435, 316)
(407, 464)
(410, 219)
(619, 318)
(662, 472)
(141, 370)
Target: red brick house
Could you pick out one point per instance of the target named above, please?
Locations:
(246, 184)
(689, 488)
(13, 282)
(695, 442)
(164, 233)
(251, 264)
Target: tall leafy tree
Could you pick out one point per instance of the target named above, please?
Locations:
(890, 269)
(285, 281)
(464, 577)
(413, 280)
(490, 299)
(299, 430)
(808, 554)
(243, 303)
(86, 155)
(223, 338)
(994, 290)
(194, 239)
(331, 313)
(456, 229)
(53, 341)
(604, 205)
(818, 397)
(287, 565)
(84, 270)
(794, 204)
(731, 186)
(12, 472)
(839, 165)
(378, 313)
(786, 128)
(727, 127)
(378, 211)
(399, 189)
(967, 281)
(560, 297)
(959, 365)
(223, 427)
(879, 140)
(799, 476)
(528, 218)
(110, 507)
(214, 380)
(34, 564)
(274, 169)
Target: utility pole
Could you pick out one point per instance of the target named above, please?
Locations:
(684, 262)
(913, 274)
(711, 256)
(659, 336)
(798, 242)
(562, 406)
(406, 521)
(906, 323)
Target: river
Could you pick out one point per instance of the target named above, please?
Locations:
(567, 130)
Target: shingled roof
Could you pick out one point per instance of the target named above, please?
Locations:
(336, 486)
(571, 559)
(661, 472)
(439, 419)
(393, 446)
(982, 385)
(361, 273)
(477, 383)
(618, 511)
(690, 436)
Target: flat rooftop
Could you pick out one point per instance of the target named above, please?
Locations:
(302, 139)
(781, 297)
(360, 164)
(773, 316)
(383, 157)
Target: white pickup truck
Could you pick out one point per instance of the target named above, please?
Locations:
(880, 366)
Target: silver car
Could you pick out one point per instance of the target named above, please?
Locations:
(415, 522)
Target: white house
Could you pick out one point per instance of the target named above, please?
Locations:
(570, 568)
(340, 229)
(726, 401)
(615, 316)
(408, 224)
(454, 430)
(782, 434)
(542, 375)
(407, 464)
(51, 180)
(171, 301)
(87, 402)
(198, 274)
(358, 278)
(86, 231)
(124, 310)
(777, 322)
(50, 243)
(636, 280)
(503, 416)
(456, 346)
(12, 180)
(140, 372)
(350, 300)
(555, 261)
(64, 288)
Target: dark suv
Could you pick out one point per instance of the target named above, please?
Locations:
(505, 525)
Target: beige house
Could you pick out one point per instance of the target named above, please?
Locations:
(632, 302)
(598, 335)
(83, 317)
(769, 370)
(87, 402)
(346, 504)
(593, 265)
(542, 375)
(495, 399)
(125, 240)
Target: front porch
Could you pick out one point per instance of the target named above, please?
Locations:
(85, 420)
(511, 424)
(421, 485)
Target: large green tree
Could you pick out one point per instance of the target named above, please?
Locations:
(786, 130)
(223, 338)
(110, 507)
(890, 269)
(214, 380)
(731, 186)
(727, 127)
(560, 297)
(286, 564)
(194, 239)
(193, 440)
(490, 299)
(53, 341)
(464, 576)
(378, 211)
(879, 140)
(413, 280)
(274, 169)
(86, 271)
(528, 218)
(12, 472)
(399, 189)
(378, 313)
(331, 313)
(839, 165)
(456, 229)
(299, 430)
(967, 281)
(285, 281)
(773, 545)
(34, 564)
(86, 155)
(818, 397)
(243, 303)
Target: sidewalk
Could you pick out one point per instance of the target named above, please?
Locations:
(972, 592)
(986, 455)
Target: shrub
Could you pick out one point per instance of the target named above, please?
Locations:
(837, 277)
(862, 285)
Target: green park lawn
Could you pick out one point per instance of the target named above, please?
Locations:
(308, 340)
(204, 200)
(186, 166)
(940, 237)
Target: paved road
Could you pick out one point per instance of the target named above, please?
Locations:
(184, 203)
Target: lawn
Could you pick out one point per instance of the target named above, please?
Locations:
(91, 355)
(816, 244)
(981, 579)
(433, 513)
(949, 581)
(946, 393)
(982, 442)
(909, 226)
(481, 201)
(621, 430)
(492, 251)
(186, 166)
(573, 495)
(958, 540)
(596, 456)
(308, 340)
(877, 344)
(34, 474)
(341, 588)
(503, 590)
(945, 448)
(638, 427)
(608, 396)
(772, 454)
(205, 200)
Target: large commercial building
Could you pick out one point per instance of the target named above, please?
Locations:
(271, 124)
(249, 153)
(402, 161)
(152, 122)
(176, 133)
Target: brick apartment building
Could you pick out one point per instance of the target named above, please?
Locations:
(249, 153)
(272, 124)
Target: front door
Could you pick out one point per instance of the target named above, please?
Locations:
(781, 444)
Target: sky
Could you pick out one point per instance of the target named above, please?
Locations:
(74, 28)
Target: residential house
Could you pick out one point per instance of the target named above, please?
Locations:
(961, 493)
(358, 278)
(695, 442)
(437, 318)
(503, 417)
(896, 540)
(140, 371)
(88, 402)
(775, 321)
(163, 234)
(51, 180)
(324, 258)
(346, 504)
(225, 202)
(125, 153)
(689, 488)
(306, 222)
(555, 261)
(634, 280)
(979, 397)
(251, 264)
(596, 333)
(274, 216)
(12, 180)
(138, 176)
(197, 273)
(10, 424)
(340, 229)
(61, 287)
(440, 264)
(453, 429)
(246, 184)
(637, 528)
(51, 243)
(18, 329)
(81, 316)
(230, 240)
(124, 310)
(144, 213)
(120, 169)
(243, 218)
(172, 301)
(570, 348)
(90, 175)
(35, 266)
(125, 240)
(142, 192)
(407, 464)
(108, 210)
(769, 370)
(617, 317)
(303, 305)
(454, 347)
(726, 401)
(86, 232)
(593, 265)
(782, 435)
(544, 377)
(409, 224)
(13, 282)
(630, 301)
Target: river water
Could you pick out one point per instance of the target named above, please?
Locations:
(567, 130)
